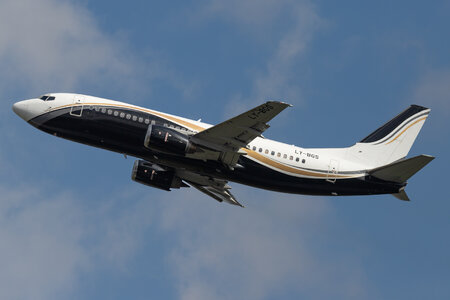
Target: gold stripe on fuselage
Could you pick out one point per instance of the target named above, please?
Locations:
(289, 169)
(185, 123)
(251, 153)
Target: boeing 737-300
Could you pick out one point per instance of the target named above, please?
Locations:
(174, 152)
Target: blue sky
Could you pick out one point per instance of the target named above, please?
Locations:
(73, 225)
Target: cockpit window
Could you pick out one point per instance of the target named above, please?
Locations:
(47, 98)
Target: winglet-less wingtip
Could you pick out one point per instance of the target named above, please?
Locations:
(238, 204)
(280, 102)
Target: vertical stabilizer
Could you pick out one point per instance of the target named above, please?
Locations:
(401, 195)
(391, 141)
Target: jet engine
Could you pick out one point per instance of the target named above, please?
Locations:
(163, 139)
(155, 176)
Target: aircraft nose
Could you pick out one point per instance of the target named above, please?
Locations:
(21, 109)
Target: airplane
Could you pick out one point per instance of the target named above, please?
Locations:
(174, 152)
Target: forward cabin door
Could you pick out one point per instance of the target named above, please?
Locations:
(77, 106)
(333, 169)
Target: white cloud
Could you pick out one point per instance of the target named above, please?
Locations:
(433, 89)
(216, 251)
(40, 245)
(57, 46)
(251, 13)
(226, 252)
(49, 242)
(275, 82)
(257, 18)
(123, 222)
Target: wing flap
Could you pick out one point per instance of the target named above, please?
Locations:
(213, 187)
(221, 195)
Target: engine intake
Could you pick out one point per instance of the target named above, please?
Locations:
(163, 139)
(155, 176)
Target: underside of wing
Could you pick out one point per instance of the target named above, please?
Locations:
(237, 132)
(221, 195)
(213, 187)
(166, 178)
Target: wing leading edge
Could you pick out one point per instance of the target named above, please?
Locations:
(228, 138)
(237, 132)
(222, 142)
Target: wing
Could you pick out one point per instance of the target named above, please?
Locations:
(213, 187)
(220, 194)
(235, 133)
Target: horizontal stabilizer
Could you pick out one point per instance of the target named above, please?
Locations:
(402, 170)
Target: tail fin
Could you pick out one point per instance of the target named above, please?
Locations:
(393, 140)
(401, 195)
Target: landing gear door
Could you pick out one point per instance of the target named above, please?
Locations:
(76, 109)
(333, 169)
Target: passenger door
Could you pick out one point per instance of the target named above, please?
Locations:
(77, 106)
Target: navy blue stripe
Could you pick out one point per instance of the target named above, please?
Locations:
(400, 128)
(387, 128)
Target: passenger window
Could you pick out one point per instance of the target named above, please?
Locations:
(254, 148)
(109, 112)
(297, 159)
(122, 115)
(147, 121)
(104, 110)
(267, 151)
(291, 157)
(272, 153)
(134, 118)
(303, 161)
(128, 116)
(278, 154)
(285, 156)
(116, 113)
(260, 149)
(141, 119)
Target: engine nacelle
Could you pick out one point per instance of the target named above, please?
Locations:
(163, 139)
(155, 176)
